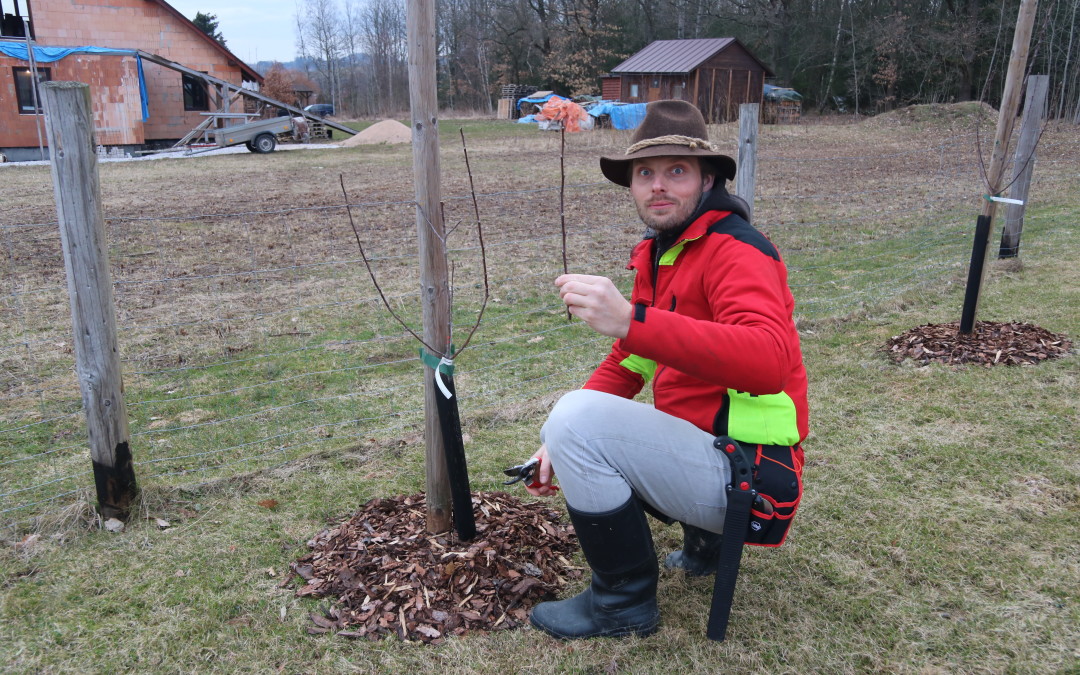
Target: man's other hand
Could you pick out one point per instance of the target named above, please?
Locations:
(543, 476)
(597, 302)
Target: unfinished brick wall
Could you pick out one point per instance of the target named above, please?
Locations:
(121, 24)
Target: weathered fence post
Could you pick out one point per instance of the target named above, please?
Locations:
(747, 166)
(70, 132)
(434, 277)
(1010, 101)
(1024, 163)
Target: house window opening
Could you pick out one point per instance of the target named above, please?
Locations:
(196, 97)
(633, 91)
(25, 89)
(11, 19)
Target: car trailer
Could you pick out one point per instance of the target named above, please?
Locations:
(259, 136)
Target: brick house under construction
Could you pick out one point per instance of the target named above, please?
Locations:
(715, 74)
(151, 71)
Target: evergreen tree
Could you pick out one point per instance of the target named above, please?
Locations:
(208, 23)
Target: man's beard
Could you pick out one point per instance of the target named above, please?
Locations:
(672, 220)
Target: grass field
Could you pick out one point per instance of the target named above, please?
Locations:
(938, 533)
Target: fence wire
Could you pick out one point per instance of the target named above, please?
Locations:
(252, 338)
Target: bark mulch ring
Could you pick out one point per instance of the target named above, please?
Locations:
(990, 344)
(390, 576)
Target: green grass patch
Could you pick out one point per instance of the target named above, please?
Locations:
(937, 534)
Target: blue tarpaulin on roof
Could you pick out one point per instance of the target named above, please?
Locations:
(623, 116)
(51, 54)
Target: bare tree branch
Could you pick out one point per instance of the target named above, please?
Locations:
(371, 273)
(562, 205)
(480, 236)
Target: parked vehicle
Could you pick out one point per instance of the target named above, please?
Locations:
(321, 109)
(259, 137)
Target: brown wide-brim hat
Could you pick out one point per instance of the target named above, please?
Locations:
(670, 128)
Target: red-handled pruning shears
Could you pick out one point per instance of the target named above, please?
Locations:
(525, 473)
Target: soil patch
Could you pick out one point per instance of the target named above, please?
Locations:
(388, 575)
(386, 131)
(937, 114)
(990, 344)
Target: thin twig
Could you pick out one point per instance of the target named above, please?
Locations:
(450, 289)
(446, 230)
(562, 204)
(371, 273)
(450, 318)
(480, 236)
(1031, 156)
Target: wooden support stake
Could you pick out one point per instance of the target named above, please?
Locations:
(747, 165)
(1010, 101)
(434, 279)
(1024, 163)
(727, 102)
(69, 125)
(712, 97)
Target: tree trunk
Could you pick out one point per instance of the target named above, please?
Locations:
(827, 98)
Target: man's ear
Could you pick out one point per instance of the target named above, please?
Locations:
(707, 182)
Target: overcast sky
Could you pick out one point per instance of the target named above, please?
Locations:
(254, 30)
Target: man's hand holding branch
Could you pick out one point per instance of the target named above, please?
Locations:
(596, 301)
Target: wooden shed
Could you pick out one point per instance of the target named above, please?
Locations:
(715, 74)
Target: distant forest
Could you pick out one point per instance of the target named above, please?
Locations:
(851, 55)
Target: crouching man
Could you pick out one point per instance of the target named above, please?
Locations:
(709, 323)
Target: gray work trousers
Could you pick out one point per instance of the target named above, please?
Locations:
(603, 448)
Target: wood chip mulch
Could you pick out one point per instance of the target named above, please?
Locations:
(989, 344)
(389, 576)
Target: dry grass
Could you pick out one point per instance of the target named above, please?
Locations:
(938, 529)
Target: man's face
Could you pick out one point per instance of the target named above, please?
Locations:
(667, 190)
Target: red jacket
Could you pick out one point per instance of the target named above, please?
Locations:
(714, 332)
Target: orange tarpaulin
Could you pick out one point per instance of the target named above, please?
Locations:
(564, 110)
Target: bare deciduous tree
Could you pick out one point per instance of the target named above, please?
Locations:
(871, 54)
(320, 39)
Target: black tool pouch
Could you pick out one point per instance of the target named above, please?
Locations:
(778, 482)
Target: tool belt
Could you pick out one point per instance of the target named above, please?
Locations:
(762, 497)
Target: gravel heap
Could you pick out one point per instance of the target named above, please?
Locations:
(387, 131)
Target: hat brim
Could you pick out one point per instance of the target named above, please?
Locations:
(617, 169)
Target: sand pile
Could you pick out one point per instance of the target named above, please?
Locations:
(387, 131)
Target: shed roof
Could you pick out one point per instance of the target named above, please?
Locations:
(678, 56)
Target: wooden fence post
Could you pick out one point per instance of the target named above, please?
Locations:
(434, 277)
(747, 166)
(70, 132)
(1010, 101)
(1024, 163)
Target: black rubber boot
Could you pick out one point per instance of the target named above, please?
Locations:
(622, 597)
(700, 553)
